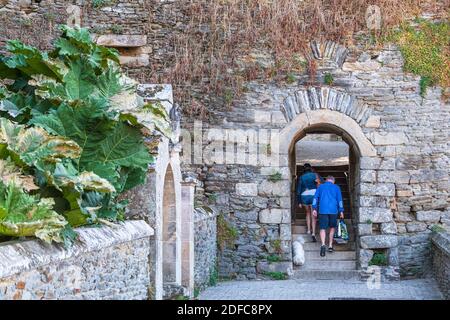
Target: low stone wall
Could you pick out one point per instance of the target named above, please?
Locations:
(106, 263)
(205, 231)
(441, 261)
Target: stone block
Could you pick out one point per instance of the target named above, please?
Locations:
(378, 241)
(364, 229)
(141, 60)
(375, 215)
(430, 216)
(247, 216)
(366, 66)
(280, 188)
(373, 122)
(373, 201)
(275, 216)
(278, 117)
(122, 40)
(388, 228)
(285, 231)
(284, 171)
(390, 138)
(262, 116)
(377, 189)
(416, 226)
(369, 163)
(247, 189)
(368, 176)
(365, 256)
(263, 266)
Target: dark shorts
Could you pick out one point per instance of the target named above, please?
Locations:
(327, 221)
(306, 200)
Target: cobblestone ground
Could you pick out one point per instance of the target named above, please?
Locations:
(417, 289)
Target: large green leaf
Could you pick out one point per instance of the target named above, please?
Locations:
(23, 215)
(106, 146)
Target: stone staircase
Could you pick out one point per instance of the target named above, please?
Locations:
(341, 264)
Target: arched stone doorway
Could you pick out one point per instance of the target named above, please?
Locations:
(361, 152)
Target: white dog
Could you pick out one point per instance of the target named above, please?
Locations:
(298, 251)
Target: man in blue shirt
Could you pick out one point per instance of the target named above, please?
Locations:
(328, 199)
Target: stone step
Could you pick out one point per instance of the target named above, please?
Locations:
(329, 264)
(305, 274)
(337, 255)
(308, 238)
(302, 222)
(315, 246)
(298, 229)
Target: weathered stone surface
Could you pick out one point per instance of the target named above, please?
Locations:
(122, 40)
(416, 226)
(262, 116)
(118, 255)
(364, 229)
(269, 188)
(389, 228)
(373, 122)
(205, 237)
(366, 66)
(369, 163)
(263, 267)
(391, 138)
(365, 256)
(141, 60)
(274, 216)
(441, 261)
(378, 189)
(430, 216)
(375, 215)
(247, 189)
(378, 241)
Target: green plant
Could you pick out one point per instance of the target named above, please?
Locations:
(66, 122)
(228, 96)
(196, 292)
(437, 228)
(328, 79)
(181, 297)
(273, 258)
(276, 245)
(378, 259)
(102, 3)
(212, 198)
(226, 233)
(116, 29)
(276, 176)
(425, 50)
(368, 221)
(213, 276)
(276, 275)
(424, 83)
(290, 78)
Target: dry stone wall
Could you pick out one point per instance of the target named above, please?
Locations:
(106, 263)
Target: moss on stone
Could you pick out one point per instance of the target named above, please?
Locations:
(425, 49)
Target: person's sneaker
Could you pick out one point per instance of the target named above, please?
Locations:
(314, 238)
(322, 251)
(330, 249)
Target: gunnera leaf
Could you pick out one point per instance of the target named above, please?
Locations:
(24, 215)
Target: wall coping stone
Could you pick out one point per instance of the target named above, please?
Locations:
(201, 213)
(442, 241)
(20, 256)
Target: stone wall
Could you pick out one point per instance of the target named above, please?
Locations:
(205, 231)
(106, 263)
(400, 140)
(441, 261)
